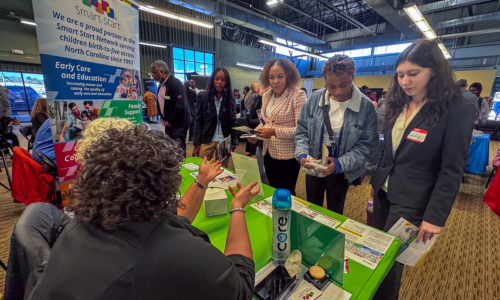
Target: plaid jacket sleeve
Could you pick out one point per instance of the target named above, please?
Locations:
(288, 133)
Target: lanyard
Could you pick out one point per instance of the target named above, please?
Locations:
(328, 125)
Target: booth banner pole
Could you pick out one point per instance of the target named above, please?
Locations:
(89, 50)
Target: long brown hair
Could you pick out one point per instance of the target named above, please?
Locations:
(441, 89)
(40, 106)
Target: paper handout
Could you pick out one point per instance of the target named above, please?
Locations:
(247, 170)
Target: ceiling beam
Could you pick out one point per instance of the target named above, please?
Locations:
(467, 20)
(344, 16)
(447, 4)
(307, 15)
(469, 33)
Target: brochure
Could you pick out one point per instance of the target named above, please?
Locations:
(364, 244)
(411, 252)
(247, 170)
(226, 178)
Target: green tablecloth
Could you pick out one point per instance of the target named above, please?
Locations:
(361, 282)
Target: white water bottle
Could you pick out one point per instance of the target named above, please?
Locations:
(282, 214)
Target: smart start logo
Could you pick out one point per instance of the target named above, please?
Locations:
(308, 296)
(100, 7)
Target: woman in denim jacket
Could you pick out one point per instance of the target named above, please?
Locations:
(353, 140)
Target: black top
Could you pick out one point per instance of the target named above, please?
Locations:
(175, 111)
(164, 259)
(206, 119)
(37, 122)
(252, 117)
(427, 175)
(191, 98)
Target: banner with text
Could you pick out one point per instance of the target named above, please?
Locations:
(89, 49)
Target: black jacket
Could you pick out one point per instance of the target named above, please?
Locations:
(176, 111)
(37, 122)
(252, 117)
(205, 120)
(163, 259)
(427, 175)
(191, 98)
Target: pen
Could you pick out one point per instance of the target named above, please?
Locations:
(290, 290)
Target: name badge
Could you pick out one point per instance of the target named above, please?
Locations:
(417, 135)
(167, 97)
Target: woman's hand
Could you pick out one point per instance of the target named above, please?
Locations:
(244, 195)
(330, 168)
(196, 151)
(303, 163)
(252, 140)
(267, 133)
(208, 171)
(427, 232)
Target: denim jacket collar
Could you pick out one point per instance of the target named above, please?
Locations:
(355, 102)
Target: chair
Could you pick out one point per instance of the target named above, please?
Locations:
(33, 236)
(30, 182)
(495, 163)
(51, 168)
(27, 132)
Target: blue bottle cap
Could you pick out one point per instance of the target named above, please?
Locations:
(282, 199)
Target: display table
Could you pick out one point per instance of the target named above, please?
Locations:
(477, 161)
(362, 282)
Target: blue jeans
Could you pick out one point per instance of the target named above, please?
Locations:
(69, 132)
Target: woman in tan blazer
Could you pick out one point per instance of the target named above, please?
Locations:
(281, 106)
(150, 100)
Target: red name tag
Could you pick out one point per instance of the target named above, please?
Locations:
(417, 135)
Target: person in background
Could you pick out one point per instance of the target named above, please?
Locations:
(429, 129)
(350, 134)
(43, 144)
(382, 99)
(247, 103)
(281, 106)
(39, 115)
(305, 91)
(489, 100)
(237, 95)
(193, 86)
(246, 89)
(365, 90)
(373, 96)
(462, 84)
(484, 109)
(93, 112)
(69, 128)
(171, 103)
(253, 119)
(381, 107)
(119, 245)
(191, 99)
(5, 116)
(215, 116)
(150, 100)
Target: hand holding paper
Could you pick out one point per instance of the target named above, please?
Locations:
(427, 232)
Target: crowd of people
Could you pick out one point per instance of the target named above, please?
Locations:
(128, 215)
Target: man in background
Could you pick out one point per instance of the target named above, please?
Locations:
(171, 103)
(484, 109)
(5, 116)
(462, 84)
(191, 98)
(93, 112)
(69, 129)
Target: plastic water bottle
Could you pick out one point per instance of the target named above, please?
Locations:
(282, 204)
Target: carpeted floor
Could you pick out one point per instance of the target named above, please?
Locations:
(463, 265)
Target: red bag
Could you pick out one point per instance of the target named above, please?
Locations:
(492, 196)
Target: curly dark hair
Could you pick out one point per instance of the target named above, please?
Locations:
(478, 86)
(339, 64)
(128, 176)
(441, 89)
(292, 75)
(227, 98)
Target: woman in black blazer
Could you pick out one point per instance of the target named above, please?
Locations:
(125, 244)
(215, 116)
(429, 128)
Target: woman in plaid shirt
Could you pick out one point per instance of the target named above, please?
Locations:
(281, 106)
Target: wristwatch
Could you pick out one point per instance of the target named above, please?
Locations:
(201, 186)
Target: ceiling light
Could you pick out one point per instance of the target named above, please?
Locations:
(445, 52)
(175, 17)
(264, 41)
(423, 26)
(28, 22)
(414, 13)
(430, 34)
(248, 66)
(153, 44)
(272, 2)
